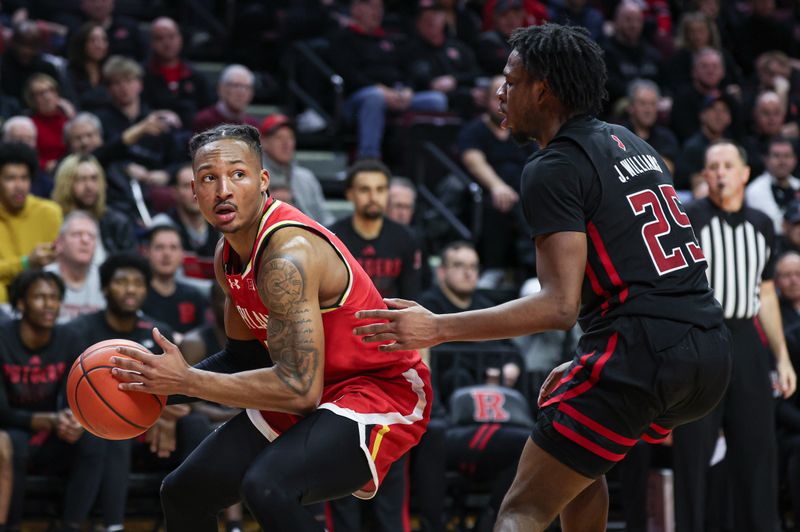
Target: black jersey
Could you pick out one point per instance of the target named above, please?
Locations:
(643, 258)
(183, 310)
(93, 328)
(32, 379)
(392, 259)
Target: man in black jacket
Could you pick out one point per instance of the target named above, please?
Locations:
(440, 63)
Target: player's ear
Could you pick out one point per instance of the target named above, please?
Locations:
(264, 180)
(543, 88)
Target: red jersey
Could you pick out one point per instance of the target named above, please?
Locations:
(387, 394)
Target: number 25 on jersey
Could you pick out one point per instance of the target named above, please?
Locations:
(654, 230)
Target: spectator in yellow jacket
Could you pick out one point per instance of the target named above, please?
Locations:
(28, 224)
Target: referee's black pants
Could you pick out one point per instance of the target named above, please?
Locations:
(746, 415)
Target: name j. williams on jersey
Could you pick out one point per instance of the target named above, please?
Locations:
(635, 165)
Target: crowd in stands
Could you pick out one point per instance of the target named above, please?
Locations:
(100, 235)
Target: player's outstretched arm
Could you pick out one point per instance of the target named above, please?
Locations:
(561, 262)
(288, 283)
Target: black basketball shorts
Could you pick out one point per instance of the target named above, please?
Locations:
(636, 379)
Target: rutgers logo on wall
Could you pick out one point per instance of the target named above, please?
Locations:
(488, 406)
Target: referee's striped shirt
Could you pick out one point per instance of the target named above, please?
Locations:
(739, 248)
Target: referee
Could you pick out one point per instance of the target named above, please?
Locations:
(738, 243)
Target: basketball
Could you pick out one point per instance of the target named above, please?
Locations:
(98, 403)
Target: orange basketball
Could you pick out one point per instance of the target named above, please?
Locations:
(98, 403)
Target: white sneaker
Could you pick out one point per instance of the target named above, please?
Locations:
(310, 121)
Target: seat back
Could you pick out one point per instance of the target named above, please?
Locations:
(489, 404)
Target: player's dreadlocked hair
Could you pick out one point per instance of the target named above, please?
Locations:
(570, 61)
(247, 134)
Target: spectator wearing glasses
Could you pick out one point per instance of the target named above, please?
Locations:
(49, 112)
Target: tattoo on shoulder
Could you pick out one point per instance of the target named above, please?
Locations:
(282, 282)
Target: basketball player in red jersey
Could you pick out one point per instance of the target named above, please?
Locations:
(332, 413)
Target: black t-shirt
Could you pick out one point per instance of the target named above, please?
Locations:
(424, 62)
(434, 300)
(33, 380)
(93, 328)
(642, 256)
(365, 59)
(392, 260)
(506, 157)
(182, 310)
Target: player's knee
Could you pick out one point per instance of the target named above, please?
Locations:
(174, 490)
(260, 492)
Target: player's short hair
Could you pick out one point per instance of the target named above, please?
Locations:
(120, 260)
(23, 282)
(246, 133)
(18, 153)
(570, 61)
(366, 165)
(728, 142)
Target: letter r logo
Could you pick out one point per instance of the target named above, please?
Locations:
(488, 406)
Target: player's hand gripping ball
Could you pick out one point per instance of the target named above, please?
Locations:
(97, 402)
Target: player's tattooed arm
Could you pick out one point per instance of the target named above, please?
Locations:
(288, 285)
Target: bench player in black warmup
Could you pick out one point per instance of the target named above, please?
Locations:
(614, 250)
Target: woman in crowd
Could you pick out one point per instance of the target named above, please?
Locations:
(88, 50)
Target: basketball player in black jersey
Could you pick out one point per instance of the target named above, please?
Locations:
(616, 251)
